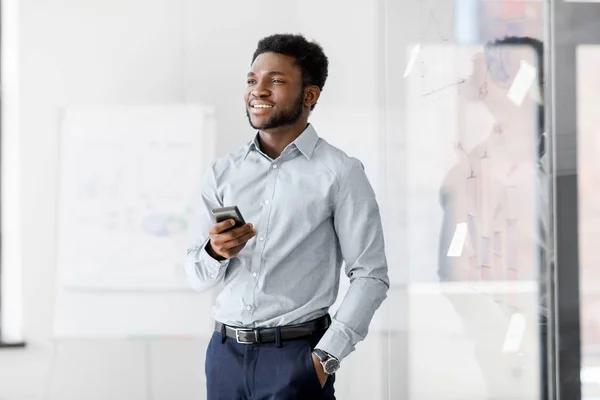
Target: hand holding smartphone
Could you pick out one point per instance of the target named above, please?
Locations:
(229, 234)
(225, 213)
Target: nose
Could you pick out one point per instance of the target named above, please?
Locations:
(260, 90)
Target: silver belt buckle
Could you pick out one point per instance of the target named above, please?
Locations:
(237, 336)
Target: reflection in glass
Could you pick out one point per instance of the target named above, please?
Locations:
(497, 188)
(484, 322)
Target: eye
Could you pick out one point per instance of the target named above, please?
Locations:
(251, 81)
(277, 81)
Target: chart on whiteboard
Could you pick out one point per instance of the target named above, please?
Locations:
(128, 183)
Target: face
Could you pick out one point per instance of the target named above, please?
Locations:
(493, 73)
(275, 96)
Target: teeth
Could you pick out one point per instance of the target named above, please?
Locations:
(262, 106)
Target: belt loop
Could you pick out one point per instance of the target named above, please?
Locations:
(278, 336)
(223, 334)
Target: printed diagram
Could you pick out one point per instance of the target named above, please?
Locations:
(131, 209)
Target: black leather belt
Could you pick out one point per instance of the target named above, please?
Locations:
(268, 335)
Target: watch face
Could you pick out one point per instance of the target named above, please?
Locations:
(331, 366)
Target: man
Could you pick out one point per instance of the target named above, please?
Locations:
(507, 223)
(309, 207)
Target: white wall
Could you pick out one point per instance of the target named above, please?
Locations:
(86, 52)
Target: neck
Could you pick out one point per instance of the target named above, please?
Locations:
(274, 141)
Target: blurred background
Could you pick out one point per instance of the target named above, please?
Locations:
(478, 126)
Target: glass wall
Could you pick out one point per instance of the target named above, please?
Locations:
(576, 39)
(588, 96)
(585, 176)
(467, 189)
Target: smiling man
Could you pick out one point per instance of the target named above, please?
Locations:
(309, 208)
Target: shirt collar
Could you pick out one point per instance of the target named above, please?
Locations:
(306, 142)
(252, 145)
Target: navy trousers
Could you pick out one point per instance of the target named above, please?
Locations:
(264, 371)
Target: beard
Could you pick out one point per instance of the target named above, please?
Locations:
(285, 117)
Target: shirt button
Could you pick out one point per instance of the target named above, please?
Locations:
(248, 308)
(267, 202)
(262, 238)
(274, 166)
(254, 274)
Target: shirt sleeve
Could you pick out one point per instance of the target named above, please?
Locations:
(358, 225)
(203, 271)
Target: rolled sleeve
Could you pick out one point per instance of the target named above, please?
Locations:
(358, 226)
(203, 271)
(337, 342)
(211, 264)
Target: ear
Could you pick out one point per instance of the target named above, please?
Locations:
(311, 95)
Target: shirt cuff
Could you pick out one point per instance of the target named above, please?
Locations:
(336, 343)
(210, 262)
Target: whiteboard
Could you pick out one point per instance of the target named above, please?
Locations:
(128, 183)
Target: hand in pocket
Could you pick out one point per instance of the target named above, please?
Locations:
(319, 370)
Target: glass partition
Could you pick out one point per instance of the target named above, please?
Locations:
(467, 199)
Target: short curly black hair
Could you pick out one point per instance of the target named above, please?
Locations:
(309, 56)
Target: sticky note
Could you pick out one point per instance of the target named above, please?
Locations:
(458, 241)
(514, 334)
(536, 95)
(522, 83)
(414, 53)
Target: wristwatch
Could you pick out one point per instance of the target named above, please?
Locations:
(330, 363)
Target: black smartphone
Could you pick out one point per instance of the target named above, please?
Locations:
(225, 213)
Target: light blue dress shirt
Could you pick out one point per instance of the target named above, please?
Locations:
(312, 208)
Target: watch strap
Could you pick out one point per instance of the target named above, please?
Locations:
(321, 355)
(330, 363)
